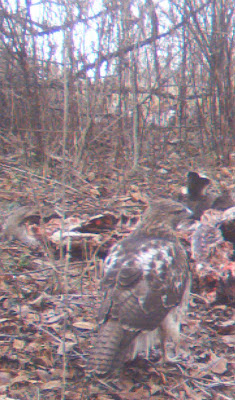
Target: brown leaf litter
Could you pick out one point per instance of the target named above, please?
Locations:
(49, 307)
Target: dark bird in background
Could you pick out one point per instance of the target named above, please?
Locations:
(200, 196)
(146, 288)
(195, 197)
(196, 185)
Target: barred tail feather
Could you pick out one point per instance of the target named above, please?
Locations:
(106, 355)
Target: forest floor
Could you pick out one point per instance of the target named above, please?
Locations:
(48, 302)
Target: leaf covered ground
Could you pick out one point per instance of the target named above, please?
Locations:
(49, 297)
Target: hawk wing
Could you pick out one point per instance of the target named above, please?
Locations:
(145, 278)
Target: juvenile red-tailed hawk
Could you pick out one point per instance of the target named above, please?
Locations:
(146, 288)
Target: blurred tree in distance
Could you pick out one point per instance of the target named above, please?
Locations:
(141, 75)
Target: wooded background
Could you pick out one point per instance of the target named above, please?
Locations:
(128, 80)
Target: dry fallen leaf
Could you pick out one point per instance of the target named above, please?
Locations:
(5, 397)
(229, 340)
(21, 377)
(220, 364)
(5, 378)
(18, 344)
(65, 347)
(51, 385)
(84, 325)
(43, 375)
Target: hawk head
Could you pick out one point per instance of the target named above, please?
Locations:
(163, 215)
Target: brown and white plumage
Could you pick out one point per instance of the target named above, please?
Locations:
(146, 288)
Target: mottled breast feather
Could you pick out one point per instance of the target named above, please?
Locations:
(143, 280)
